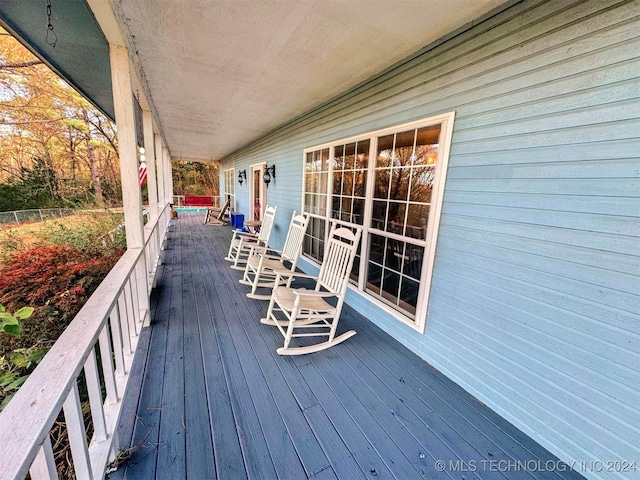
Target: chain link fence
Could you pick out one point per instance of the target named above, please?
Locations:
(35, 215)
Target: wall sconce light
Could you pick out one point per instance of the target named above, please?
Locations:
(268, 173)
(242, 174)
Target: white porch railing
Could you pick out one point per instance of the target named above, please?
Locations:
(108, 325)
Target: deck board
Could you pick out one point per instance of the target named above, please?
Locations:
(216, 401)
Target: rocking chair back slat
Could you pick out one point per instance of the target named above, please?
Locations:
(267, 224)
(338, 259)
(292, 244)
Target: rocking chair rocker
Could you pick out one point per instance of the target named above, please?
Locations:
(262, 263)
(308, 309)
(241, 242)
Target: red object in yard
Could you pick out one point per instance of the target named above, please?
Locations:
(197, 201)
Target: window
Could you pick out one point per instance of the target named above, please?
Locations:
(390, 182)
(316, 172)
(230, 187)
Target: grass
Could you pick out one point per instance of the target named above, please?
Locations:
(85, 231)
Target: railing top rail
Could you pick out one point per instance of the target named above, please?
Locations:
(26, 420)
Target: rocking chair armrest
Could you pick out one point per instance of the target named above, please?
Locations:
(289, 273)
(258, 248)
(266, 251)
(270, 257)
(245, 234)
(312, 293)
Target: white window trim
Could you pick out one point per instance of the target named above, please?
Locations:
(446, 120)
(225, 193)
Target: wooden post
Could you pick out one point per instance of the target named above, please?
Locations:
(169, 176)
(150, 157)
(125, 120)
(131, 197)
(159, 150)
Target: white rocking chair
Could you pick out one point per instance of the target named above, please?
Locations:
(308, 309)
(241, 242)
(262, 264)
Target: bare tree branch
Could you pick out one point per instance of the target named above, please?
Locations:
(28, 122)
(13, 66)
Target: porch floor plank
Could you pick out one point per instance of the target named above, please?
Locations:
(217, 402)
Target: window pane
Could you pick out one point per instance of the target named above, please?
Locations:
(413, 261)
(404, 148)
(399, 187)
(381, 188)
(338, 160)
(346, 210)
(417, 221)
(409, 295)
(422, 184)
(313, 245)
(427, 145)
(395, 218)
(379, 215)
(347, 183)
(337, 183)
(374, 278)
(360, 183)
(378, 244)
(324, 159)
(355, 270)
(349, 156)
(308, 181)
(335, 207)
(358, 211)
(385, 149)
(390, 286)
(395, 254)
(324, 182)
(321, 204)
(362, 160)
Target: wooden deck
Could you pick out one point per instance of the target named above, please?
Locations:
(214, 400)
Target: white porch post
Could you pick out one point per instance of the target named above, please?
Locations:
(162, 196)
(169, 177)
(150, 156)
(131, 197)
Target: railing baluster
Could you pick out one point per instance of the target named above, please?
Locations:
(135, 303)
(107, 366)
(44, 465)
(77, 435)
(124, 321)
(95, 397)
(131, 308)
(116, 335)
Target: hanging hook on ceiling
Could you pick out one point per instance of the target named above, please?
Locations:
(52, 36)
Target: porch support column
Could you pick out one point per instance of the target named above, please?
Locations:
(169, 177)
(131, 196)
(150, 156)
(159, 149)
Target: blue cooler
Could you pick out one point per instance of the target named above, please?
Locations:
(237, 220)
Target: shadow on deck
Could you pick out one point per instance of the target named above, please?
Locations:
(210, 398)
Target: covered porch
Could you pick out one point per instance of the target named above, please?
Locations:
(210, 398)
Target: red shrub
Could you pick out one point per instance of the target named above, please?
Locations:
(56, 281)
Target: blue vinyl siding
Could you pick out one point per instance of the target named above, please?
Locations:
(535, 298)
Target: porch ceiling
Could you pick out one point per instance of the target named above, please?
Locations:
(224, 73)
(221, 73)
